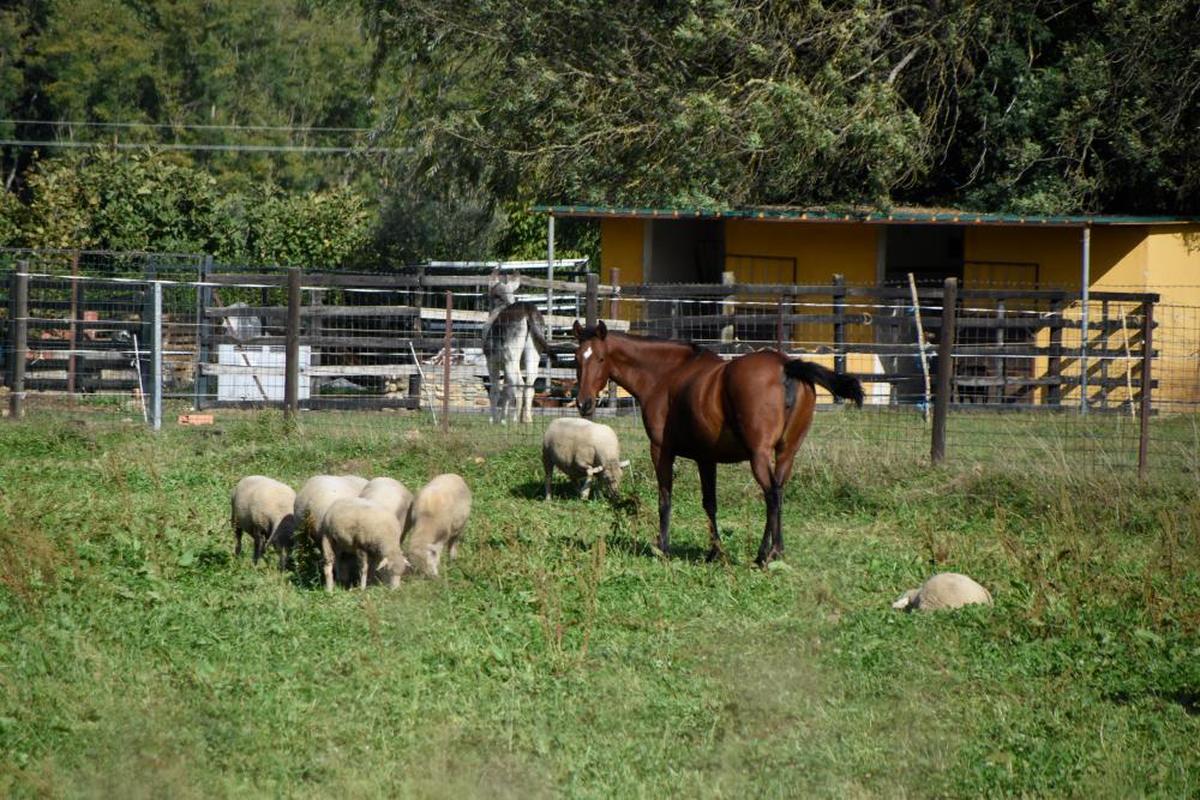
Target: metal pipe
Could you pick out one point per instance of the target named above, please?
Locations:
(156, 359)
(550, 277)
(1086, 282)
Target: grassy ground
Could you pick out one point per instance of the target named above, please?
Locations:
(561, 657)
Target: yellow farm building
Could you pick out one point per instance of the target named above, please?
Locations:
(1078, 254)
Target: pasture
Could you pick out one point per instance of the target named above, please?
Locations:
(560, 656)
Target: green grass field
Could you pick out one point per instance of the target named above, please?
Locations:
(560, 656)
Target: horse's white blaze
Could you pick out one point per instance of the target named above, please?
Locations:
(587, 353)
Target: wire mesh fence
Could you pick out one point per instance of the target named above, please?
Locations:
(1031, 376)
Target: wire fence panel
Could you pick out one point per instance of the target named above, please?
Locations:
(1033, 379)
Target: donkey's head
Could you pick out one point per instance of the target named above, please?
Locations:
(503, 293)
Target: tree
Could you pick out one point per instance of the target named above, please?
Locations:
(1050, 106)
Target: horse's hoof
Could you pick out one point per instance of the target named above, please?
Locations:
(715, 554)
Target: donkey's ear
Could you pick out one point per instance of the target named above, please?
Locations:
(577, 329)
(601, 330)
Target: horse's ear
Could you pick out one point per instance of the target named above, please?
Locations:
(601, 330)
(577, 329)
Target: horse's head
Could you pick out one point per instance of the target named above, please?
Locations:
(592, 367)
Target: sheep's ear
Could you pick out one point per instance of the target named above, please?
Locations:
(623, 464)
(383, 562)
(577, 329)
(595, 470)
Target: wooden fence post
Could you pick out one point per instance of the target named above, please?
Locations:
(291, 376)
(592, 304)
(613, 309)
(1147, 361)
(1054, 390)
(18, 327)
(446, 362)
(839, 325)
(945, 371)
(73, 327)
(203, 334)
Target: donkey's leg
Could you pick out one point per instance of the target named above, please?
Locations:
(512, 381)
(760, 465)
(708, 492)
(495, 367)
(529, 371)
(664, 469)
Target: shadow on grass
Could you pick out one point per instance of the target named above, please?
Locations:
(559, 490)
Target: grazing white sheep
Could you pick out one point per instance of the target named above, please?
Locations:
(439, 514)
(314, 499)
(582, 449)
(318, 493)
(390, 494)
(262, 507)
(944, 590)
(353, 526)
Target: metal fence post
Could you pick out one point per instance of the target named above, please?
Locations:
(945, 371)
(156, 357)
(446, 362)
(18, 327)
(291, 376)
(1144, 416)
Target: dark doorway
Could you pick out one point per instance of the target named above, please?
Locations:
(930, 252)
(686, 251)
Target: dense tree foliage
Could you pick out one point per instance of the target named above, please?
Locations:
(478, 109)
(1055, 105)
(111, 200)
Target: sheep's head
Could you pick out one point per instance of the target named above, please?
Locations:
(907, 601)
(392, 568)
(285, 531)
(610, 473)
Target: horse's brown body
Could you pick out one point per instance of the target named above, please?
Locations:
(757, 408)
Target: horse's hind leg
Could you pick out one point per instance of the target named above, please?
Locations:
(772, 541)
(708, 491)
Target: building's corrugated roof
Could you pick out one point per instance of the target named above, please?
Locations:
(894, 216)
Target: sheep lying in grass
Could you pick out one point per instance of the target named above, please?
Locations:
(582, 449)
(944, 590)
(367, 531)
(390, 494)
(439, 514)
(262, 507)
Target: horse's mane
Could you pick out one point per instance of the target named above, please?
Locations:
(590, 332)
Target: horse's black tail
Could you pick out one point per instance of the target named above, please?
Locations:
(847, 387)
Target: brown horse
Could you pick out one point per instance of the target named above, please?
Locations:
(756, 407)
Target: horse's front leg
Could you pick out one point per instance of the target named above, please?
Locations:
(664, 468)
(708, 493)
(772, 541)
